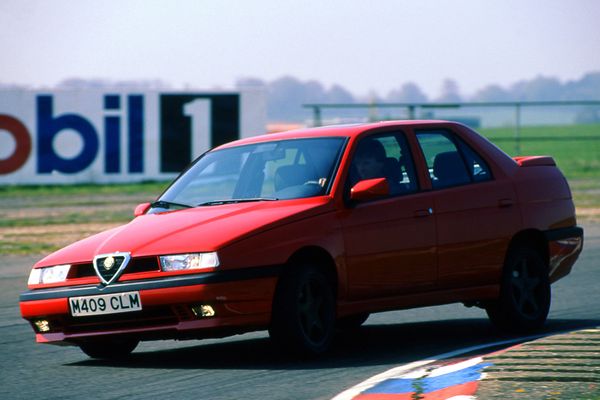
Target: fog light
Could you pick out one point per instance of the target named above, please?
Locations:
(42, 325)
(203, 310)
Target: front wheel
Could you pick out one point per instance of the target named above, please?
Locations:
(109, 349)
(525, 293)
(303, 319)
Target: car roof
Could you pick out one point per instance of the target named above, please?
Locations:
(345, 130)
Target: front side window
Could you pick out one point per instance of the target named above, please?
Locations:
(384, 156)
(285, 169)
(450, 161)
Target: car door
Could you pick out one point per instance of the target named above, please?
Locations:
(389, 242)
(473, 209)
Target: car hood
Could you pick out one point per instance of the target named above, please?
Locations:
(190, 230)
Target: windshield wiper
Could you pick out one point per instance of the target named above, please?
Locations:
(168, 204)
(231, 201)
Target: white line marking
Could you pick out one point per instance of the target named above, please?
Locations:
(446, 369)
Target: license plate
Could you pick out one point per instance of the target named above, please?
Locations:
(105, 304)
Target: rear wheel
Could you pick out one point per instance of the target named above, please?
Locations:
(109, 349)
(525, 292)
(303, 319)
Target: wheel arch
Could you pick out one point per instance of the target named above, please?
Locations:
(531, 238)
(321, 259)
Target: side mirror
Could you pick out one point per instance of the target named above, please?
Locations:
(141, 209)
(370, 189)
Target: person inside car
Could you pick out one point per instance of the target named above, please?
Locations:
(370, 161)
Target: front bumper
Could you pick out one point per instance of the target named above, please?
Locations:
(240, 298)
(564, 247)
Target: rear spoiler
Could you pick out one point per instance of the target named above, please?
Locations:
(535, 161)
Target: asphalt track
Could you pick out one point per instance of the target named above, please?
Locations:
(247, 366)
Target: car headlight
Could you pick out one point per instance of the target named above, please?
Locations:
(180, 262)
(54, 274)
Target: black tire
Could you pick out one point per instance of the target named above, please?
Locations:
(303, 319)
(109, 349)
(352, 321)
(525, 293)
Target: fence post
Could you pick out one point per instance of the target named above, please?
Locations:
(316, 116)
(517, 129)
(411, 111)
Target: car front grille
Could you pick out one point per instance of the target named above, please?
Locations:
(140, 264)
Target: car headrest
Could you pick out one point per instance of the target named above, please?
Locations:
(449, 169)
(391, 168)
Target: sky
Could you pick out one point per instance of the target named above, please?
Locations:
(374, 45)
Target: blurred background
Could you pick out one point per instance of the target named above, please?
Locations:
(103, 103)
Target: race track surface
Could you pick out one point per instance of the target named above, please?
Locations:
(247, 366)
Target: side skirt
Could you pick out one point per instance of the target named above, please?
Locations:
(433, 298)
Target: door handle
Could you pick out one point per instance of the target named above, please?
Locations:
(423, 213)
(506, 203)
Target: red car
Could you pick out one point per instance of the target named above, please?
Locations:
(308, 231)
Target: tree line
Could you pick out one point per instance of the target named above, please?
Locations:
(286, 95)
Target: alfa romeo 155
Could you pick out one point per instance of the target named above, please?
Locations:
(307, 232)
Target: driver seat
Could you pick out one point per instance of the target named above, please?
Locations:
(291, 175)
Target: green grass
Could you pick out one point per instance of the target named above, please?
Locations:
(40, 219)
(69, 218)
(586, 193)
(99, 190)
(26, 248)
(575, 148)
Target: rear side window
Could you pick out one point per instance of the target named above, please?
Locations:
(450, 161)
(478, 169)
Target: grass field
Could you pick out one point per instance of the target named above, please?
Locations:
(576, 148)
(40, 219)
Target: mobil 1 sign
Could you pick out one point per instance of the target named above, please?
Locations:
(100, 137)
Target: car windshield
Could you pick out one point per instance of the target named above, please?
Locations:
(286, 169)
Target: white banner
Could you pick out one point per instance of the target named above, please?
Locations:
(117, 136)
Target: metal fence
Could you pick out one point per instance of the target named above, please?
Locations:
(515, 114)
